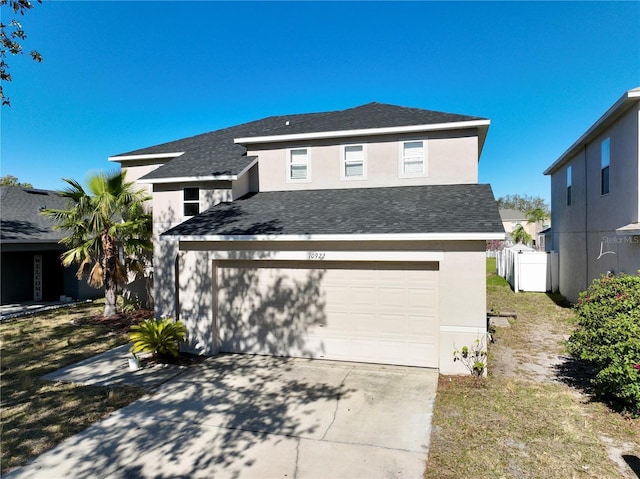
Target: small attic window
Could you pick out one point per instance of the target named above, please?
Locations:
(191, 197)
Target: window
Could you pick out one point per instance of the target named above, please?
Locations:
(353, 162)
(604, 166)
(413, 163)
(568, 185)
(298, 168)
(191, 201)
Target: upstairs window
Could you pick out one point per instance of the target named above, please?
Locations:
(568, 185)
(353, 162)
(191, 198)
(604, 166)
(298, 168)
(413, 161)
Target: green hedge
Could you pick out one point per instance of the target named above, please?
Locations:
(608, 337)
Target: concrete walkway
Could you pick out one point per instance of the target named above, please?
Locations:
(239, 416)
(17, 310)
(111, 368)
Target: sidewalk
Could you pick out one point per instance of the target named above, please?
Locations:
(112, 368)
(16, 310)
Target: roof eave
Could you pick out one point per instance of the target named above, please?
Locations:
(146, 156)
(618, 108)
(193, 179)
(496, 235)
(481, 124)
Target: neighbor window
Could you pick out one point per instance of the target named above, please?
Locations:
(353, 163)
(413, 161)
(298, 164)
(568, 186)
(604, 166)
(191, 197)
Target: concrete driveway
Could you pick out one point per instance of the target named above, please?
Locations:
(237, 416)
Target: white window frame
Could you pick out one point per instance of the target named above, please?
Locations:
(569, 199)
(343, 162)
(605, 164)
(290, 179)
(190, 202)
(401, 164)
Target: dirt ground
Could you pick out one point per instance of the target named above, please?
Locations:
(532, 347)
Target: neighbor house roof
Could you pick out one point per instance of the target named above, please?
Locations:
(20, 218)
(510, 214)
(221, 154)
(612, 114)
(422, 212)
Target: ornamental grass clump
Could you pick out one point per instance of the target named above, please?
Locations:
(608, 337)
(161, 337)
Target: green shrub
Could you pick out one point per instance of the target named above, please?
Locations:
(608, 337)
(160, 337)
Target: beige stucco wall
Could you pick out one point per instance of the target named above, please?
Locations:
(167, 213)
(462, 293)
(584, 232)
(137, 169)
(451, 158)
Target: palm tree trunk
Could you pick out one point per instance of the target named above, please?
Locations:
(109, 260)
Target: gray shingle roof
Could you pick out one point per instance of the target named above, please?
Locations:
(509, 214)
(215, 153)
(20, 218)
(468, 208)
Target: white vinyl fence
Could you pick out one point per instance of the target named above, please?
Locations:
(528, 270)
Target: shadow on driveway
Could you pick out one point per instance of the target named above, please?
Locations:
(253, 416)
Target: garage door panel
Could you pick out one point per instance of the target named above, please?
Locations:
(356, 312)
(421, 298)
(422, 326)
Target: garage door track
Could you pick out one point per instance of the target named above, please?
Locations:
(260, 417)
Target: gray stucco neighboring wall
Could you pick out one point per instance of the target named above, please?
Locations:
(584, 233)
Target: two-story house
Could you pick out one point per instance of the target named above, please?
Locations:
(595, 199)
(512, 218)
(355, 235)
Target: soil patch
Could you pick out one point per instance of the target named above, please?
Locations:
(119, 323)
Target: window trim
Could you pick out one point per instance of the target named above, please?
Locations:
(190, 202)
(401, 163)
(605, 146)
(343, 162)
(569, 183)
(288, 164)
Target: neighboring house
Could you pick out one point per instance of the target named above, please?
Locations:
(31, 266)
(511, 218)
(595, 199)
(353, 235)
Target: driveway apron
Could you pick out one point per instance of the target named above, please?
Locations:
(237, 416)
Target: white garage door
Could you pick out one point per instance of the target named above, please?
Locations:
(372, 312)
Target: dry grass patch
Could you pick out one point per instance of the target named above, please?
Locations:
(516, 429)
(37, 414)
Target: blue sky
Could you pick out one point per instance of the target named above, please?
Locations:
(118, 76)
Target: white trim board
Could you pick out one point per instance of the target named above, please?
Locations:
(362, 132)
(149, 156)
(322, 255)
(462, 329)
(346, 237)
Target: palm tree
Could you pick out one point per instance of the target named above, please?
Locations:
(520, 235)
(109, 231)
(536, 215)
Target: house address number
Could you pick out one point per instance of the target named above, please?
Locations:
(315, 255)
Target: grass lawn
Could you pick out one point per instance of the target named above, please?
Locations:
(523, 422)
(37, 414)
